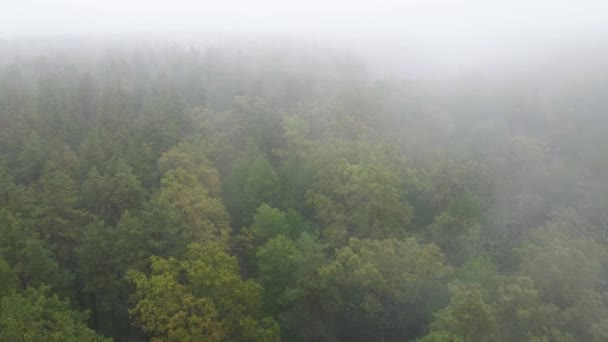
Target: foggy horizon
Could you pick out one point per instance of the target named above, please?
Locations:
(438, 33)
(320, 171)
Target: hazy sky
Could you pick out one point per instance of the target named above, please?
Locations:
(467, 30)
(346, 18)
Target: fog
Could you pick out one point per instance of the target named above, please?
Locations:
(447, 19)
(432, 34)
(303, 171)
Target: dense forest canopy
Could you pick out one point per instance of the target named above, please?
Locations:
(160, 191)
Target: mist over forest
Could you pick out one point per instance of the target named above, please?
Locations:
(268, 185)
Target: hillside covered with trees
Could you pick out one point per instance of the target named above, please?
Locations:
(185, 193)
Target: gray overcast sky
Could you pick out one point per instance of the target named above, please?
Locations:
(376, 18)
(459, 31)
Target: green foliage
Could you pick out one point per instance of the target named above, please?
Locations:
(361, 198)
(468, 317)
(262, 194)
(35, 315)
(167, 311)
(57, 216)
(201, 296)
(110, 194)
(288, 273)
(200, 216)
(599, 331)
(251, 183)
(8, 279)
(480, 270)
(457, 237)
(32, 157)
(191, 157)
(103, 257)
(522, 315)
(465, 206)
(373, 264)
(375, 276)
(296, 177)
(278, 261)
(562, 263)
(29, 256)
(449, 185)
(268, 223)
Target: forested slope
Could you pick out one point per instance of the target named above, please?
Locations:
(172, 193)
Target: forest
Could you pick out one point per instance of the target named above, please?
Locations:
(268, 192)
